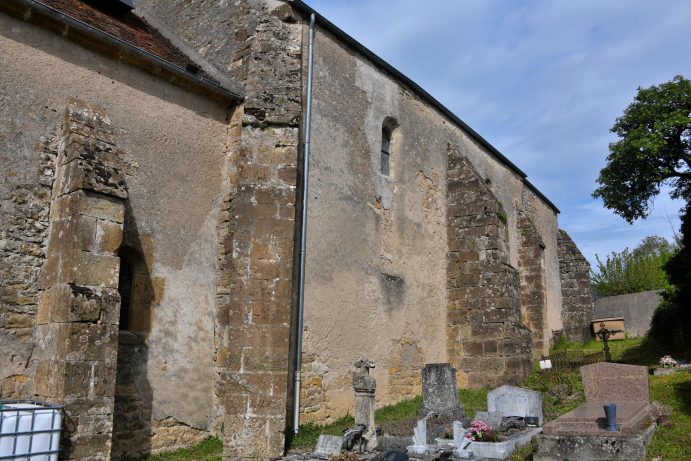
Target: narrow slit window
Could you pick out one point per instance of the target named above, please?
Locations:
(385, 153)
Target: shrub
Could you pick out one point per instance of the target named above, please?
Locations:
(634, 271)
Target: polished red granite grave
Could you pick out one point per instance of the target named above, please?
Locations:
(589, 419)
(615, 382)
(581, 434)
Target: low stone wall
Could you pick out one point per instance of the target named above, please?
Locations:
(636, 308)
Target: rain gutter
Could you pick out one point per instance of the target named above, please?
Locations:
(303, 232)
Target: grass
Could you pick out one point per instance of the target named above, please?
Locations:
(210, 449)
(673, 443)
(562, 391)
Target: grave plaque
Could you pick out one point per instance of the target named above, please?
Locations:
(327, 445)
(615, 382)
(516, 406)
(516, 401)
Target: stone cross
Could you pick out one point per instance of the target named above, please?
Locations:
(365, 386)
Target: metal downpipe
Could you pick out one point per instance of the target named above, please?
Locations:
(303, 236)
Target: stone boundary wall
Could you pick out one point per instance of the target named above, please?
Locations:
(531, 266)
(574, 270)
(486, 342)
(636, 308)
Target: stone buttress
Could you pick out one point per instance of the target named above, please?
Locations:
(486, 341)
(77, 332)
(531, 266)
(576, 300)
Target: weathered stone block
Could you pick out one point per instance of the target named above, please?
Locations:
(73, 234)
(264, 268)
(230, 358)
(88, 269)
(79, 175)
(271, 312)
(265, 360)
(108, 237)
(88, 446)
(264, 405)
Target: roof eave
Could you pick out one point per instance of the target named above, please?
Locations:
(421, 92)
(116, 48)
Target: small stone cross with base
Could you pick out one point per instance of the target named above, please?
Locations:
(365, 386)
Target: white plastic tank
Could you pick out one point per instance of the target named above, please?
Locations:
(29, 432)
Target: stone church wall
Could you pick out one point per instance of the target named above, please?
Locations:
(377, 245)
(173, 147)
(209, 231)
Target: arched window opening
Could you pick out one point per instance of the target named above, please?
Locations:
(125, 289)
(385, 152)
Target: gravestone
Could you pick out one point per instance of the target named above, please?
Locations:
(582, 433)
(365, 386)
(615, 382)
(420, 433)
(491, 418)
(460, 435)
(440, 391)
(515, 401)
(419, 446)
(328, 445)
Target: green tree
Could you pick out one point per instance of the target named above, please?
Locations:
(654, 149)
(634, 271)
(671, 322)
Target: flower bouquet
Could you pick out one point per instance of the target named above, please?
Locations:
(668, 361)
(480, 431)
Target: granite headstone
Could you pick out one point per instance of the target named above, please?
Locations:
(615, 382)
(440, 391)
(625, 386)
(515, 401)
(491, 418)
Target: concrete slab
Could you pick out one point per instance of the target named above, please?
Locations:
(592, 448)
(589, 420)
(502, 450)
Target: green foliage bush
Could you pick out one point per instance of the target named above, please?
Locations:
(671, 323)
(634, 271)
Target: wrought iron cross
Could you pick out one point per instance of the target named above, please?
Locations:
(604, 334)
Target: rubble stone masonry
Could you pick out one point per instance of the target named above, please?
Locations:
(24, 224)
(77, 332)
(486, 342)
(574, 270)
(257, 233)
(531, 266)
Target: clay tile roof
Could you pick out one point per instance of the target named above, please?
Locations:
(129, 28)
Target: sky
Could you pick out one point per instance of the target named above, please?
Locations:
(542, 81)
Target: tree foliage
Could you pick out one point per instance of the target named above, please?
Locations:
(654, 149)
(671, 323)
(634, 271)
